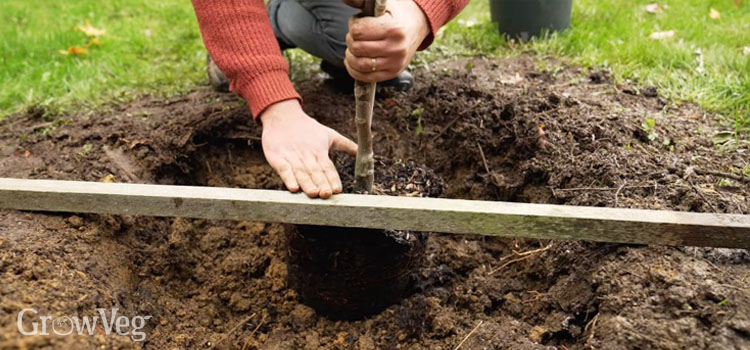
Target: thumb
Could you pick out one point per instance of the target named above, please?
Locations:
(340, 143)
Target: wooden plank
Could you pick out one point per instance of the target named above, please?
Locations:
(383, 212)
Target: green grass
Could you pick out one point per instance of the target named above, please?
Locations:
(610, 34)
(150, 47)
(615, 34)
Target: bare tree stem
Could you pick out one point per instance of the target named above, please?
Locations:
(364, 169)
(364, 94)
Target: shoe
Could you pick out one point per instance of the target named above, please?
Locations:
(342, 80)
(402, 82)
(216, 77)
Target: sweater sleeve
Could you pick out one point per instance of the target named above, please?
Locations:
(439, 12)
(239, 37)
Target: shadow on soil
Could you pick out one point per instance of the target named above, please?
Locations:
(500, 131)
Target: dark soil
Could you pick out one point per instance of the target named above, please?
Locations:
(351, 273)
(501, 131)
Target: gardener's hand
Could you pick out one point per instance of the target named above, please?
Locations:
(379, 48)
(297, 146)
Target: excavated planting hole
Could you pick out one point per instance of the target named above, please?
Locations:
(350, 273)
(343, 273)
(346, 273)
(500, 131)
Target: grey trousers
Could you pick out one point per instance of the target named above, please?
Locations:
(316, 26)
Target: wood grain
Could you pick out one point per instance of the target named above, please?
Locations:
(382, 212)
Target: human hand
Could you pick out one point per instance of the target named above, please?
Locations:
(297, 147)
(379, 48)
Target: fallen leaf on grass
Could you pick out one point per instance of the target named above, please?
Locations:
(746, 50)
(737, 3)
(94, 42)
(90, 30)
(74, 50)
(662, 35)
(655, 8)
(714, 14)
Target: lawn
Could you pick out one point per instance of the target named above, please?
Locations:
(616, 35)
(155, 48)
(149, 47)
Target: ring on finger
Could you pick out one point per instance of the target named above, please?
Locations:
(374, 64)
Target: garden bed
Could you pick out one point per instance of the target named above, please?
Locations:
(492, 130)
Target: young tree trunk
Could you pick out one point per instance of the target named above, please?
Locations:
(364, 94)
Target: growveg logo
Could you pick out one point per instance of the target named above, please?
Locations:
(68, 325)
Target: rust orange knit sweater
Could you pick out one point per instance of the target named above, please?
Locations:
(239, 37)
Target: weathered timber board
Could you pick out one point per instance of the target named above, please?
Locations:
(383, 212)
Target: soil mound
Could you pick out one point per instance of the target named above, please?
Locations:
(502, 130)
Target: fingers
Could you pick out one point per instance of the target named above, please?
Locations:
(365, 65)
(343, 144)
(295, 174)
(303, 175)
(316, 173)
(318, 176)
(375, 28)
(389, 56)
(284, 169)
(297, 147)
(377, 48)
(370, 76)
(332, 175)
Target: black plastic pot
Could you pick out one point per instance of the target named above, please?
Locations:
(523, 19)
(351, 273)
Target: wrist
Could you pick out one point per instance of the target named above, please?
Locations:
(420, 20)
(281, 112)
